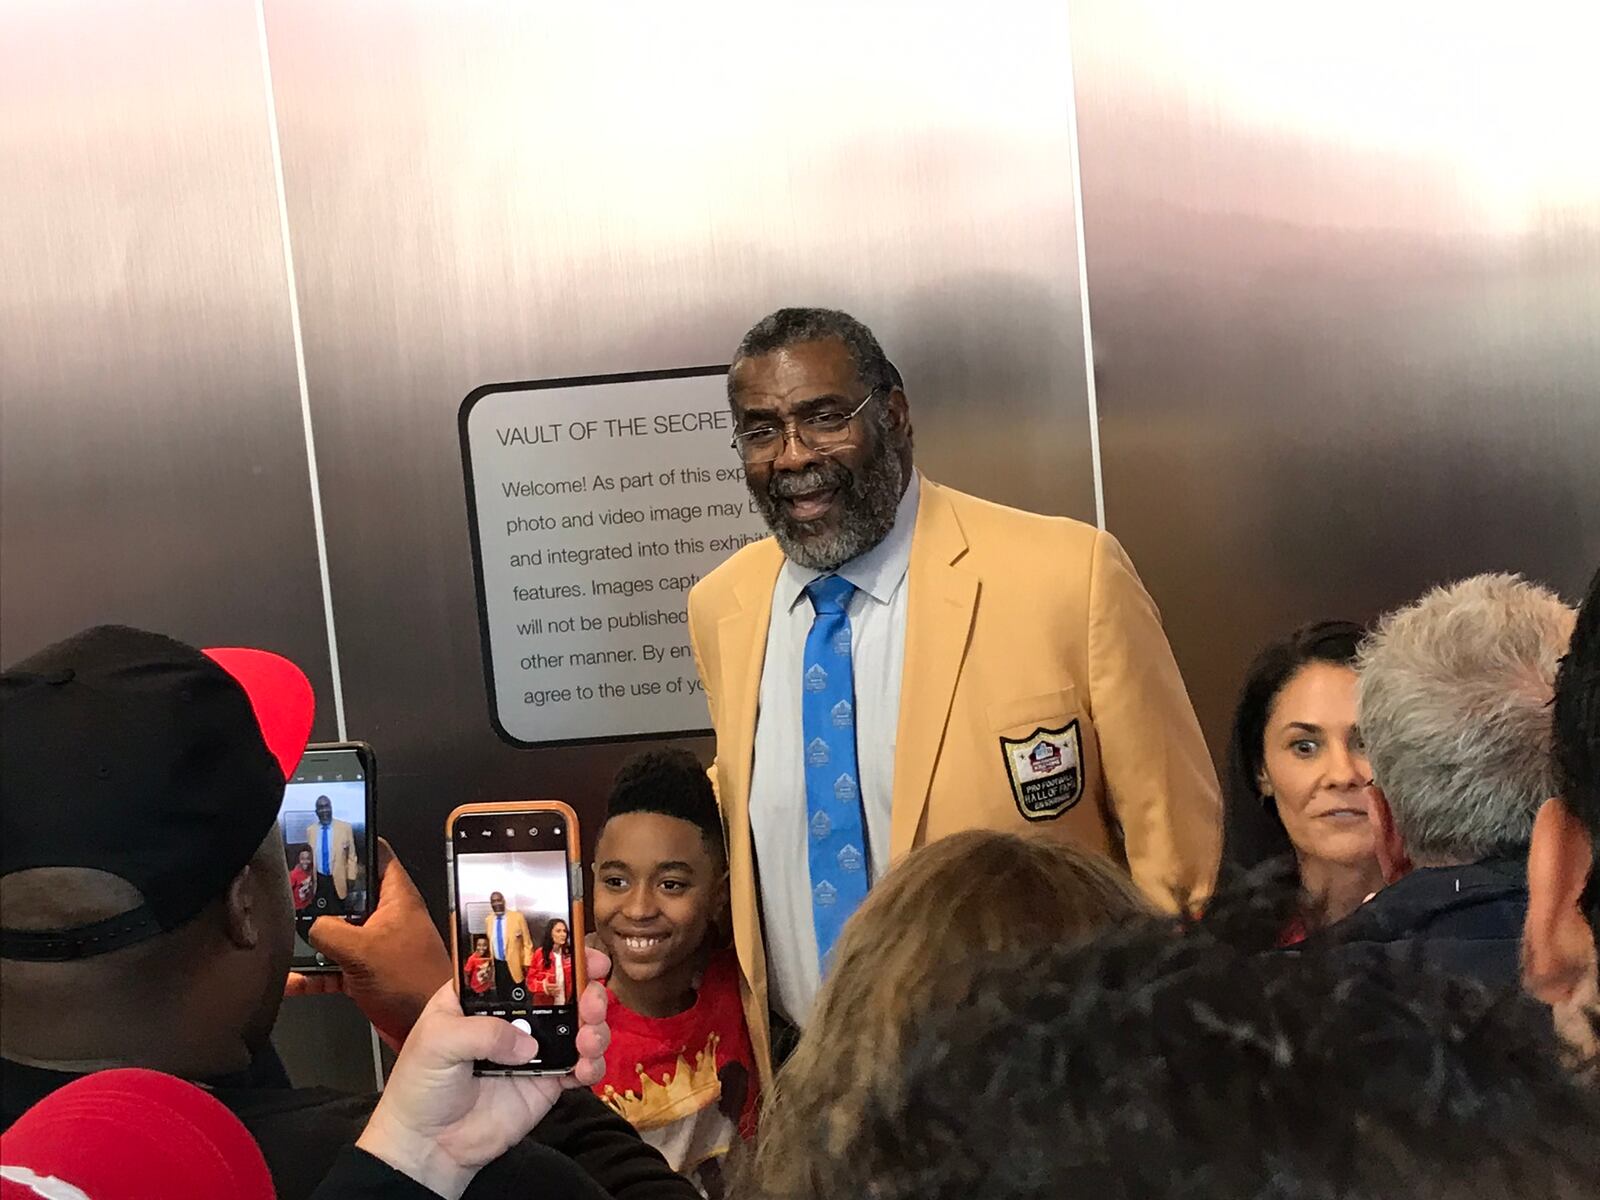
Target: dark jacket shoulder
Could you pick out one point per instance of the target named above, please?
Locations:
(1464, 921)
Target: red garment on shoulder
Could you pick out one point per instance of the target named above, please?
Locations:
(694, 1066)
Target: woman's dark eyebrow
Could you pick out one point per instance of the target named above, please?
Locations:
(1309, 728)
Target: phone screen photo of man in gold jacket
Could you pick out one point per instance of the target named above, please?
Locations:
(511, 946)
(900, 661)
(333, 852)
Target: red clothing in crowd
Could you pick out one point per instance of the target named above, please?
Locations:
(1293, 933)
(543, 985)
(479, 973)
(302, 884)
(688, 1082)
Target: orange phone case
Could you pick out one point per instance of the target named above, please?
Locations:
(575, 905)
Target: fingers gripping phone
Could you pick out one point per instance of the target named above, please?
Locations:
(326, 822)
(516, 891)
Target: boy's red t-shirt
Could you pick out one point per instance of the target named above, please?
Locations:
(687, 1082)
(479, 972)
(302, 884)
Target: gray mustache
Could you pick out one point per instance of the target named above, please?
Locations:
(812, 479)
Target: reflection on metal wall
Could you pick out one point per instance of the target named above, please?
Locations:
(152, 454)
(154, 466)
(500, 191)
(1342, 270)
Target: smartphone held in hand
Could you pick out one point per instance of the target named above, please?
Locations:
(516, 892)
(326, 822)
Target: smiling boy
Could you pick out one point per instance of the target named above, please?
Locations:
(680, 1067)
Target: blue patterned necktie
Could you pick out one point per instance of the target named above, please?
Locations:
(836, 847)
(327, 862)
(500, 937)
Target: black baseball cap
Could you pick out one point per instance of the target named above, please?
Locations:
(132, 753)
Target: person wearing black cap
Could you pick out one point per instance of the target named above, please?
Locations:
(146, 918)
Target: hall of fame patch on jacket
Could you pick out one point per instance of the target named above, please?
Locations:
(1046, 770)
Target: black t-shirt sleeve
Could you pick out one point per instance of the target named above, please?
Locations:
(609, 1150)
(356, 1175)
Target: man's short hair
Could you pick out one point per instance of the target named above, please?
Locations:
(673, 783)
(1455, 711)
(793, 326)
(1577, 732)
(1148, 1064)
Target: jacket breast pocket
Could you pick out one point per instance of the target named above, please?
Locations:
(1040, 742)
(1005, 716)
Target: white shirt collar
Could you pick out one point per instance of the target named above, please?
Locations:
(878, 571)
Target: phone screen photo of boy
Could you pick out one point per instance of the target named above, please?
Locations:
(324, 828)
(509, 904)
(479, 967)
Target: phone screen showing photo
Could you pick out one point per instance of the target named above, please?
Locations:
(514, 930)
(323, 822)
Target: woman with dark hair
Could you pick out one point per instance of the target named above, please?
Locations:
(1298, 780)
(550, 968)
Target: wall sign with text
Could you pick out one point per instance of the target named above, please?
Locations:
(595, 504)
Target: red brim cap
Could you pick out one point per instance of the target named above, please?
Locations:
(281, 696)
(134, 1134)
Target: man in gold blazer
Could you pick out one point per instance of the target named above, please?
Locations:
(900, 661)
(333, 851)
(510, 945)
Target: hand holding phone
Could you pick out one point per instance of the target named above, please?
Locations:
(516, 886)
(391, 964)
(439, 1123)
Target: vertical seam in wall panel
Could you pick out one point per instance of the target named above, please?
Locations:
(1083, 281)
(300, 372)
(305, 417)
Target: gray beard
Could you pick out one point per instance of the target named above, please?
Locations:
(870, 502)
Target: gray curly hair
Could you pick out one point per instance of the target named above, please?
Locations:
(792, 326)
(1455, 711)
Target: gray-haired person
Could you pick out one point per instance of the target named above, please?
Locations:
(1455, 695)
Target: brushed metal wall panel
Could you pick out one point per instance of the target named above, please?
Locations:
(153, 453)
(152, 457)
(1342, 267)
(500, 191)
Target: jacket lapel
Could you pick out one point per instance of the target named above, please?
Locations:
(939, 613)
(742, 651)
(742, 634)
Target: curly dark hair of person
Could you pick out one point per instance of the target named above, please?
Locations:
(1577, 734)
(1153, 1065)
(792, 326)
(672, 782)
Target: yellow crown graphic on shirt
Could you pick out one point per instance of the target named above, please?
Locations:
(685, 1092)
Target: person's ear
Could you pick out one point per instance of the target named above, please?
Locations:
(240, 916)
(1264, 784)
(1393, 861)
(1558, 948)
(899, 409)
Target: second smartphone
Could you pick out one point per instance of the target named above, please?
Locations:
(326, 821)
(516, 903)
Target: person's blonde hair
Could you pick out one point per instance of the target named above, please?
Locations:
(910, 945)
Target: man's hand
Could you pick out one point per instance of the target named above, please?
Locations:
(391, 965)
(439, 1124)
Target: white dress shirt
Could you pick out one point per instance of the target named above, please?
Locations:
(778, 817)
